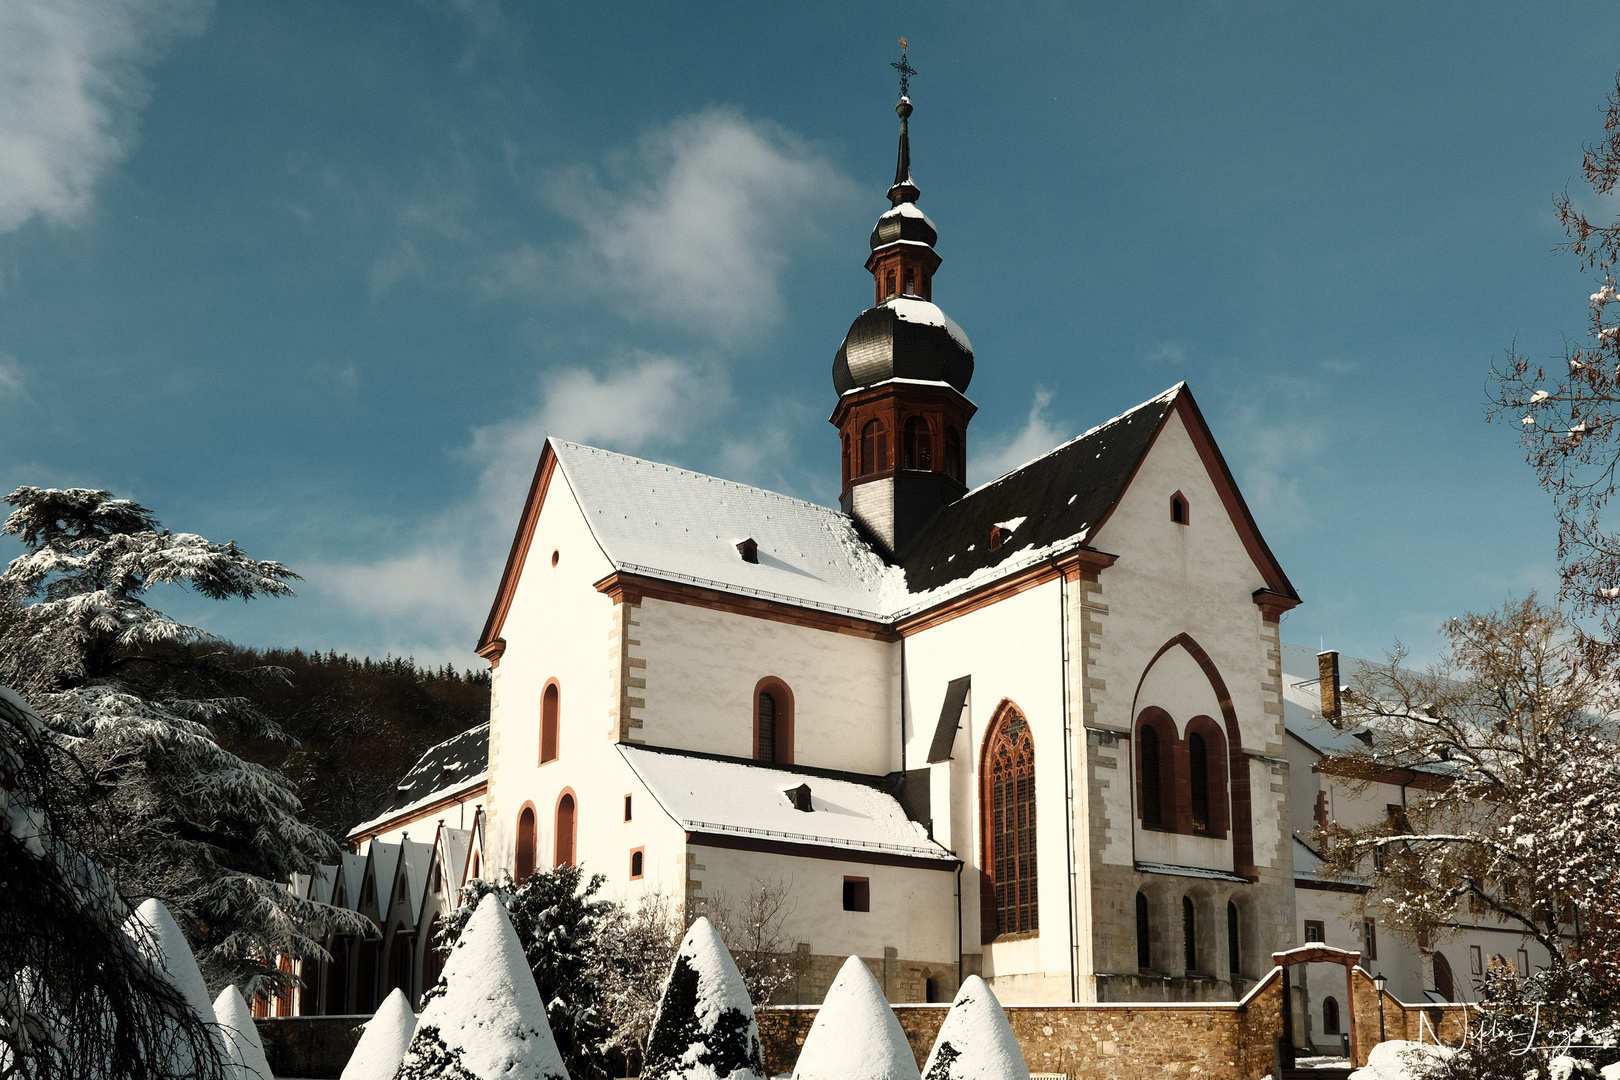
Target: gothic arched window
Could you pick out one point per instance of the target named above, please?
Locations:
(1009, 805)
(1198, 781)
(874, 447)
(1152, 770)
(1330, 1016)
(523, 865)
(565, 831)
(917, 445)
(953, 453)
(550, 719)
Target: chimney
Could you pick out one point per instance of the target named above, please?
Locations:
(1327, 668)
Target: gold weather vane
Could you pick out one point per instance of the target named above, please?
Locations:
(905, 69)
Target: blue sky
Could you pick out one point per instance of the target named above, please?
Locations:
(319, 277)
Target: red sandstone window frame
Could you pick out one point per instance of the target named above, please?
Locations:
(782, 694)
(1006, 760)
(638, 863)
(526, 848)
(550, 721)
(569, 855)
(628, 806)
(1164, 730)
(1217, 767)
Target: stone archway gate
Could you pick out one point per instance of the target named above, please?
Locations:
(1316, 953)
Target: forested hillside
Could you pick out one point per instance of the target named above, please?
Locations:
(359, 725)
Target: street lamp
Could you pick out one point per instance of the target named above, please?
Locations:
(1379, 982)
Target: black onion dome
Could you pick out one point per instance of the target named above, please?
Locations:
(904, 222)
(903, 339)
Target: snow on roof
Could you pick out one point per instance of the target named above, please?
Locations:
(1172, 870)
(1302, 702)
(456, 764)
(907, 209)
(1308, 867)
(670, 523)
(706, 794)
(926, 313)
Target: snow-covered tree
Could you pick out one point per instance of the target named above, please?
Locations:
(855, 1035)
(384, 1040)
(1514, 736)
(137, 697)
(705, 1027)
(753, 928)
(154, 930)
(636, 946)
(975, 1042)
(240, 1036)
(79, 997)
(558, 921)
(488, 1022)
(1568, 413)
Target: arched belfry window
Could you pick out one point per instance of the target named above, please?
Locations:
(953, 454)
(917, 446)
(1009, 808)
(550, 719)
(874, 447)
(523, 865)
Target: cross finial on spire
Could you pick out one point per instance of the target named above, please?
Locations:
(903, 66)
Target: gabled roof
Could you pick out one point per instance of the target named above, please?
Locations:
(455, 845)
(658, 521)
(1060, 500)
(706, 794)
(418, 860)
(457, 763)
(325, 879)
(354, 873)
(384, 865)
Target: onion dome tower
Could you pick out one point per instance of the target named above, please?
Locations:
(902, 374)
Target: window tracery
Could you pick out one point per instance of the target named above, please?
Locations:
(1009, 783)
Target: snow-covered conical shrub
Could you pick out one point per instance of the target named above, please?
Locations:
(975, 1042)
(489, 1022)
(159, 937)
(705, 1028)
(856, 1035)
(383, 1041)
(244, 1052)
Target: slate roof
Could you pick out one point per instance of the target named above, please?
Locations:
(706, 793)
(447, 767)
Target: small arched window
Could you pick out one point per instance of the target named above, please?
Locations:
(874, 447)
(911, 282)
(1233, 953)
(523, 865)
(637, 860)
(953, 454)
(565, 831)
(1144, 936)
(767, 727)
(1152, 791)
(1330, 1016)
(550, 720)
(773, 721)
(1198, 781)
(888, 284)
(1444, 985)
(917, 446)
(1189, 933)
(1178, 509)
(474, 873)
(1009, 780)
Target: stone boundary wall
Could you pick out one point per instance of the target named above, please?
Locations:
(315, 1047)
(1141, 1041)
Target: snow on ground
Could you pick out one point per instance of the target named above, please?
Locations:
(975, 1042)
(855, 1035)
(1394, 1060)
(490, 1012)
(383, 1041)
(245, 1053)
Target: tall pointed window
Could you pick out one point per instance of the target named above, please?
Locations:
(1233, 952)
(1152, 791)
(874, 447)
(1009, 798)
(1198, 777)
(550, 718)
(523, 865)
(565, 831)
(917, 447)
(1189, 933)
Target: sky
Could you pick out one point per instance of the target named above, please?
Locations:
(320, 278)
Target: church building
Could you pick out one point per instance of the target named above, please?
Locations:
(1038, 731)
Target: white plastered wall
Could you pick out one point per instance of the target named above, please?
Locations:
(702, 666)
(1013, 651)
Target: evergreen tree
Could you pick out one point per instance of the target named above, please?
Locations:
(705, 1027)
(855, 1035)
(975, 1042)
(138, 698)
(558, 922)
(386, 1037)
(240, 1036)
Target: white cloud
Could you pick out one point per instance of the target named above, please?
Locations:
(1273, 456)
(693, 227)
(1167, 353)
(72, 82)
(13, 386)
(1038, 435)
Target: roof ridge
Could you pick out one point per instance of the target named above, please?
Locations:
(698, 475)
(451, 739)
(1164, 396)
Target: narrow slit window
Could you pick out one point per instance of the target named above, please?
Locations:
(1233, 952)
(1144, 937)
(1189, 933)
(1152, 797)
(1198, 767)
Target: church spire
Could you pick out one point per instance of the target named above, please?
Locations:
(904, 189)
